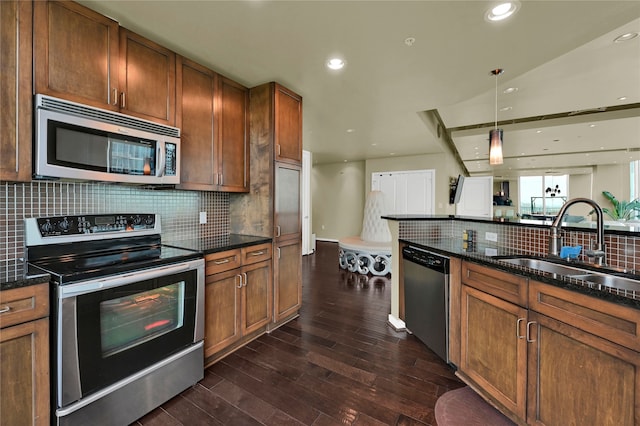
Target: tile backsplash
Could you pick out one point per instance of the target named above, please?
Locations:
(178, 210)
(623, 251)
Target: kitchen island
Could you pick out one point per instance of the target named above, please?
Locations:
(541, 347)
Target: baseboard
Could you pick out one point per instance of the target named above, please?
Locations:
(328, 240)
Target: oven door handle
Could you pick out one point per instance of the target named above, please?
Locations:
(72, 290)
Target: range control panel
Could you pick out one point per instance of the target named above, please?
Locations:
(93, 224)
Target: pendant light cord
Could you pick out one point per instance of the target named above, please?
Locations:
(496, 120)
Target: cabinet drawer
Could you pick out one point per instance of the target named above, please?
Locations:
(24, 304)
(509, 287)
(256, 253)
(223, 261)
(616, 323)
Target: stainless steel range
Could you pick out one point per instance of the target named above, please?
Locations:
(127, 315)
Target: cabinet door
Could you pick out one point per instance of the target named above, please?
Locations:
(576, 378)
(24, 373)
(257, 296)
(288, 278)
(76, 54)
(288, 125)
(195, 117)
(493, 348)
(147, 79)
(222, 311)
(288, 221)
(233, 137)
(15, 90)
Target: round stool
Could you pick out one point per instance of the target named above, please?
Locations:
(464, 407)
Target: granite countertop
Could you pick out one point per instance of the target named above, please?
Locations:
(203, 245)
(30, 278)
(478, 253)
(218, 244)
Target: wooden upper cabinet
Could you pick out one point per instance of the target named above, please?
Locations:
(233, 136)
(212, 116)
(83, 56)
(196, 120)
(15, 90)
(147, 79)
(76, 54)
(288, 125)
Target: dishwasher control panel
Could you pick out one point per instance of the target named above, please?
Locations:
(425, 258)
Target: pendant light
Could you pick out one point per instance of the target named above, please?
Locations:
(495, 135)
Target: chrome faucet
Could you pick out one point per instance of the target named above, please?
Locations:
(555, 239)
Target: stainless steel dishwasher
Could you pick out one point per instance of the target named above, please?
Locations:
(426, 298)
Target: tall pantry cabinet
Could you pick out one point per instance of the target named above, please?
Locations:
(272, 206)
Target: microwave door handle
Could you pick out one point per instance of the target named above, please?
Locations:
(162, 158)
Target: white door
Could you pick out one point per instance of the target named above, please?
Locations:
(406, 192)
(307, 240)
(477, 197)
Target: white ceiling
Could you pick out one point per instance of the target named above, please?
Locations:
(559, 54)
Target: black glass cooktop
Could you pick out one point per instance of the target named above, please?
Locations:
(73, 262)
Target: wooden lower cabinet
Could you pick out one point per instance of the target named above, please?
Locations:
(288, 279)
(24, 356)
(238, 301)
(576, 378)
(493, 348)
(569, 359)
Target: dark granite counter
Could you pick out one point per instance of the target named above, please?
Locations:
(453, 247)
(32, 278)
(628, 228)
(218, 244)
(204, 245)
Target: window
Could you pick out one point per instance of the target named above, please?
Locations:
(542, 195)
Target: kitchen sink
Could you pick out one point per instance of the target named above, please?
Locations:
(613, 281)
(584, 274)
(546, 266)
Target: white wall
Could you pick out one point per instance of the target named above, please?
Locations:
(338, 198)
(339, 190)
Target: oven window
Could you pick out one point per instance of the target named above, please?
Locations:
(125, 329)
(129, 321)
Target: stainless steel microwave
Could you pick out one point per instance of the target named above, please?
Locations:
(75, 141)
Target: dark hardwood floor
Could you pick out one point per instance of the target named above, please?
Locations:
(337, 363)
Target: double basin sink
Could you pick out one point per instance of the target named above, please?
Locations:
(611, 279)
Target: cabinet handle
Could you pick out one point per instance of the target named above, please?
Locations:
(115, 96)
(518, 335)
(221, 262)
(245, 278)
(5, 309)
(278, 252)
(257, 253)
(529, 331)
(123, 104)
(278, 150)
(278, 230)
(221, 180)
(239, 285)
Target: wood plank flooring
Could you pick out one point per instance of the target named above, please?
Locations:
(337, 363)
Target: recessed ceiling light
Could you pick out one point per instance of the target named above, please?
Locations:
(622, 98)
(351, 130)
(392, 153)
(510, 90)
(409, 41)
(538, 131)
(625, 37)
(374, 144)
(502, 11)
(507, 108)
(335, 63)
(592, 125)
(345, 161)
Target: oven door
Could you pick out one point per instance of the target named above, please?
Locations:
(112, 328)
